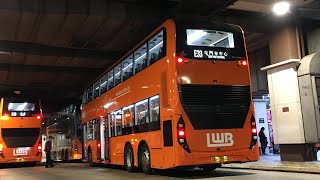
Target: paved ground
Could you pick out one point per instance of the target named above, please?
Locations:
(80, 171)
(273, 163)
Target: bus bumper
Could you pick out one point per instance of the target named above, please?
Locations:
(4, 159)
(209, 158)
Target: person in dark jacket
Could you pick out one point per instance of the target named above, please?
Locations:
(47, 149)
(263, 141)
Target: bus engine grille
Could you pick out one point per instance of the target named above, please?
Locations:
(215, 106)
(20, 137)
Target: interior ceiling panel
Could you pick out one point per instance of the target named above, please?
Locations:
(25, 26)
(49, 26)
(3, 76)
(7, 32)
(54, 49)
(71, 24)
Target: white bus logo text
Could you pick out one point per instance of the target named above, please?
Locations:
(219, 139)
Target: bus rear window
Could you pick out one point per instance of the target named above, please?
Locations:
(210, 38)
(21, 106)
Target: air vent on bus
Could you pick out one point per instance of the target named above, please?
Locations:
(215, 106)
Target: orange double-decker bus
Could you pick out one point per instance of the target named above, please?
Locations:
(20, 130)
(179, 98)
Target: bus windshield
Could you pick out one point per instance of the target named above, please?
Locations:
(210, 38)
(21, 106)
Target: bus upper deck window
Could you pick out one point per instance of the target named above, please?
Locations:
(140, 58)
(127, 68)
(156, 48)
(110, 80)
(117, 74)
(103, 84)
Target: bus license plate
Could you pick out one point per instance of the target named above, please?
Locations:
(220, 159)
(19, 160)
(21, 151)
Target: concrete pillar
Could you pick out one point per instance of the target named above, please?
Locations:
(285, 48)
(313, 41)
(284, 44)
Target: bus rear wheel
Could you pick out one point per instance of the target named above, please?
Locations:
(144, 158)
(90, 158)
(208, 168)
(129, 158)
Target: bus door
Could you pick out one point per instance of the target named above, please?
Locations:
(109, 133)
(84, 144)
(102, 138)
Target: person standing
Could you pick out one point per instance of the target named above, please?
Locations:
(263, 140)
(47, 149)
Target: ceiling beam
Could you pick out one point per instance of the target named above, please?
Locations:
(30, 48)
(49, 69)
(106, 8)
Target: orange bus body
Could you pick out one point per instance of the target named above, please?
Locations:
(20, 135)
(168, 78)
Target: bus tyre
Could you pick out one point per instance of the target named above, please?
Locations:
(90, 158)
(66, 154)
(145, 159)
(31, 164)
(128, 158)
(62, 155)
(208, 168)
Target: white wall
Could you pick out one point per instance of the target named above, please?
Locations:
(261, 115)
(285, 103)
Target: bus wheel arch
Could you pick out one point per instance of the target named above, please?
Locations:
(128, 158)
(144, 157)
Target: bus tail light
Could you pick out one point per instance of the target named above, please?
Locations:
(5, 117)
(1, 150)
(243, 63)
(98, 150)
(39, 147)
(38, 116)
(181, 60)
(253, 133)
(76, 146)
(182, 135)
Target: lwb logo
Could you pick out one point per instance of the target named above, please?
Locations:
(219, 139)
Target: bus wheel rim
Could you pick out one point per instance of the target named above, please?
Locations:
(145, 159)
(129, 158)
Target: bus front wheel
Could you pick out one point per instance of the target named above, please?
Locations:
(145, 159)
(129, 158)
